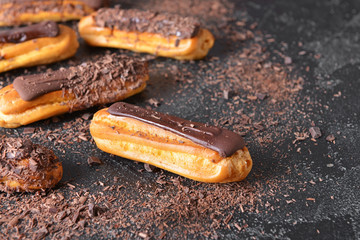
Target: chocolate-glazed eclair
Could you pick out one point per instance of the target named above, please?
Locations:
(191, 149)
(161, 34)
(25, 166)
(16, 12)
(34, 97)
(41, 43)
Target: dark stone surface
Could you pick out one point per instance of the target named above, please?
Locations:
(331, 28)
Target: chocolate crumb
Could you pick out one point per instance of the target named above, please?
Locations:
(94, 161)
(287, 60)
(260, 96)
(29, 130)
(154, 102)
(149, 167)
(330, 138)
(315, 132)
(226, 93)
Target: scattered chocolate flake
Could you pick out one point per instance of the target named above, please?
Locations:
(143, 235)
(226, 94)
(13, 222)
(82, 200)
(154, 102)
(330, 138)
(29, 130)
(94, 161)
(92, 209)
(149, 168)
(86, 116)
(260, 96)
(41, 233)
(315, 132)
(287, 60)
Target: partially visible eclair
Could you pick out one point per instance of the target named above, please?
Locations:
(25, 166)
(191, 149)
(161, 34)
(40, 43)
(34, 97)
(17, 12)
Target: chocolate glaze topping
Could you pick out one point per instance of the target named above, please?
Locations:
(92, 82)
(32, 86)
(146, 21)
(223, 141)
(39, 30)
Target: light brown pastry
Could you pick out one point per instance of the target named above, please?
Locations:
(143, 31)
(190, 149)
(25, 166)
(34, 97)
(37, 44)
(16, 12)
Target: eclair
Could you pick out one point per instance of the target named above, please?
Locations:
(191, 149)
(16, 12)
(41, 43)
(25, 166)
(160, 34)
(34, 97)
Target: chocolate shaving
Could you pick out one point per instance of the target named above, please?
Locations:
(149, 168)
(315, 132)
(133, 20)
(39, 30)
(93, 161)
(330, 138)
(223, 141)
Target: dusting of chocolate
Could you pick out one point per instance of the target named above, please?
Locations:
(91, 82)
(14, 150)
(146, 21)
(223, 141)
(39, 30)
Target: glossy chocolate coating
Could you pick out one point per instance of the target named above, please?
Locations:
(33, 86)
(223, 141)
(39, 30)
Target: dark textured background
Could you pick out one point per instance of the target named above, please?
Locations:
(330, 28)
